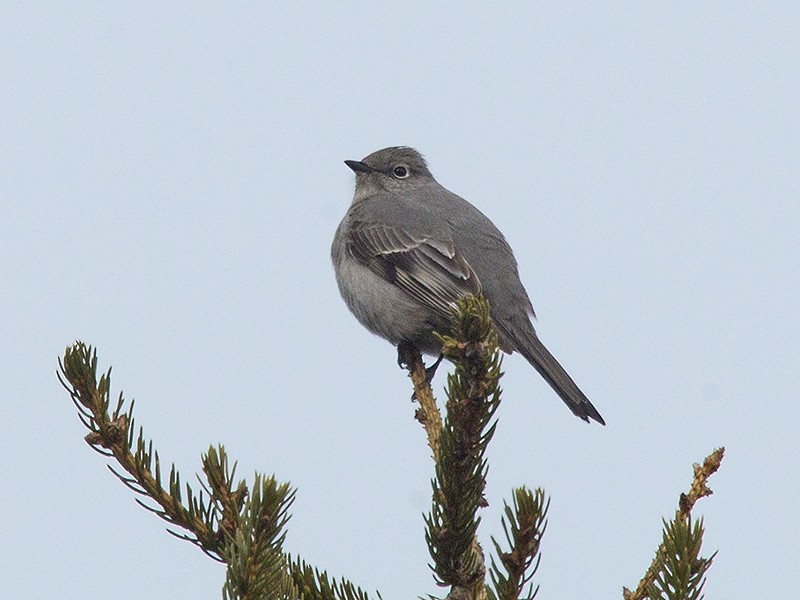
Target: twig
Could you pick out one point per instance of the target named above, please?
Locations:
(699, 487)
(428, 413)
(686, 502)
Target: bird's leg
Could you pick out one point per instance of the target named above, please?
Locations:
(431, 371)
(409, 358)
(407, 354)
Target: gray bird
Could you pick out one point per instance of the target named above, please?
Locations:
(408, 248)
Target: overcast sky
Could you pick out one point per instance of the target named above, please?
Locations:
(171, 178)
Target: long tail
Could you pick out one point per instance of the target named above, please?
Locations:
(549, 368)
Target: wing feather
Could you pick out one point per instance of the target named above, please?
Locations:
(430, 270)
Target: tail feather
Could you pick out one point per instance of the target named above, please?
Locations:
(549, 368)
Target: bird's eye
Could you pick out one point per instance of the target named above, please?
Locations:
(400, 172)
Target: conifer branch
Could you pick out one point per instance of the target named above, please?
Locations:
(112, 435)
(245, 527)
(677, 564)
(241, 527)
(256, 563)
(473, 396)
(681, 575)
(314, 584)
(523, 531)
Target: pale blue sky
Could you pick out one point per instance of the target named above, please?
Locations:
(171, 179)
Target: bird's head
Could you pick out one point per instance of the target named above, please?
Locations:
(396, 169)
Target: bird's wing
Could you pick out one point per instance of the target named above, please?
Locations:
(430, 270)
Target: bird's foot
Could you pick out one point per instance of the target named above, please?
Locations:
(431, 371)
(408, 357)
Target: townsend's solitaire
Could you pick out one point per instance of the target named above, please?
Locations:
(408, 248)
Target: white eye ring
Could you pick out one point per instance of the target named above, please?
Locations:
(400, 171)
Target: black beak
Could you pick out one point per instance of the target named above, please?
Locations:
(358, 167)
